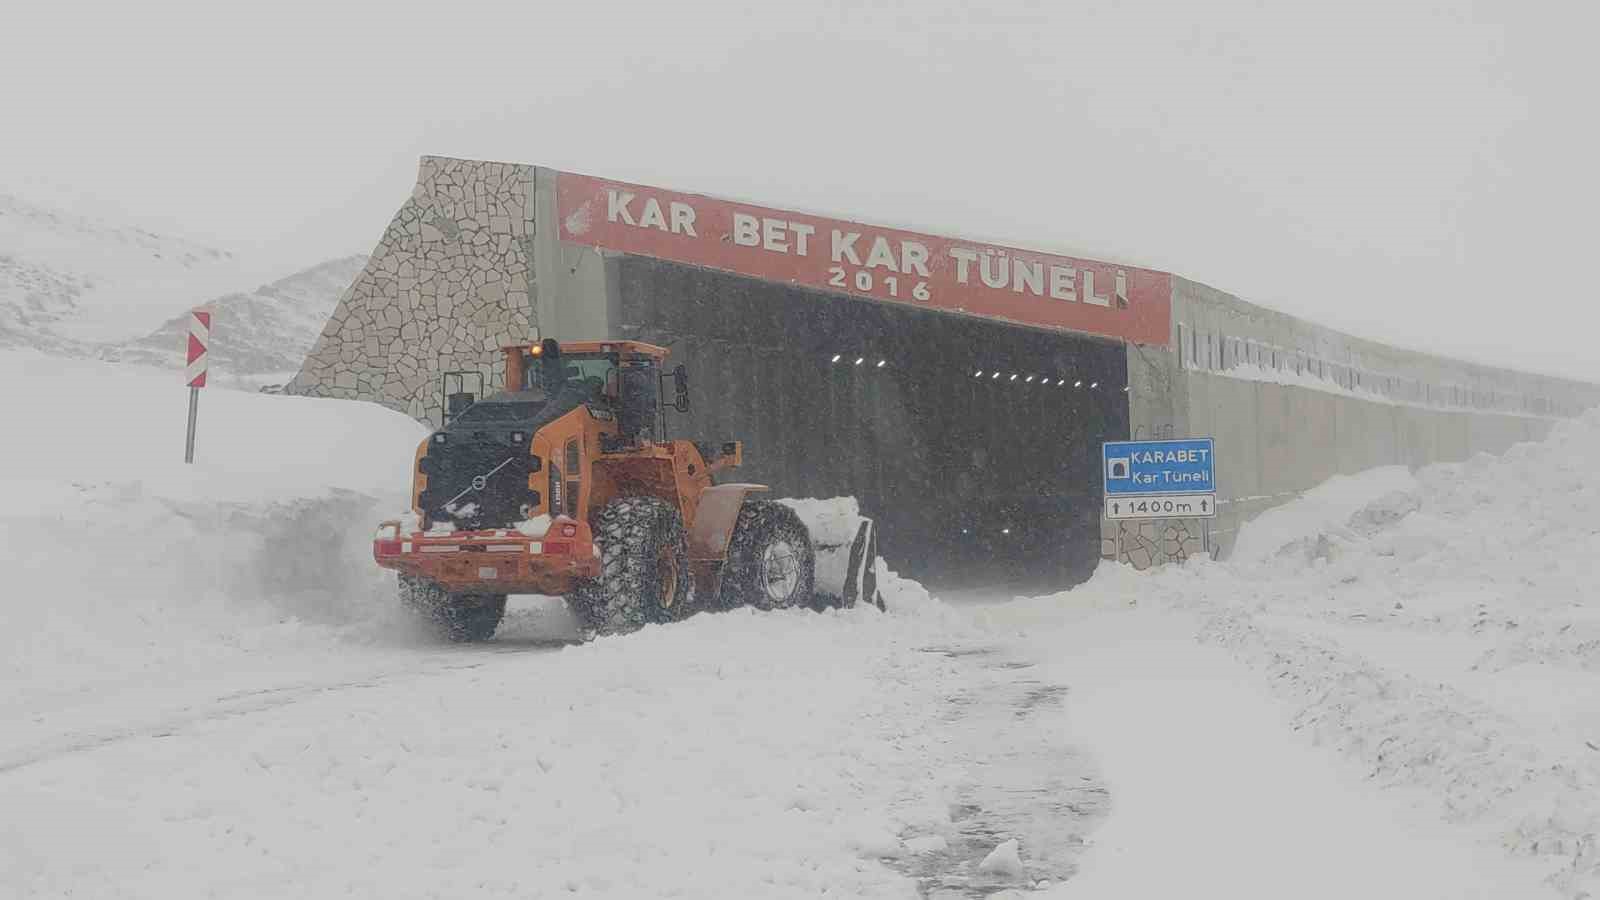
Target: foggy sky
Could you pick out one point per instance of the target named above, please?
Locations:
(1422, 173)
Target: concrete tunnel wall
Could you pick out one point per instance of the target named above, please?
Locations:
(1351, 405)
(472, 260)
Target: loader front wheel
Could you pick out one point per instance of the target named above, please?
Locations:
(771, 563)
(462, 618)
(644, 560)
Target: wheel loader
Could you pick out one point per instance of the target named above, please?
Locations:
(565, 484)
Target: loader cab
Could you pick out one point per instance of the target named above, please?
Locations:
(622, 378)
(594, 374)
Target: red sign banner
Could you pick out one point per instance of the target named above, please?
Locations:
(886, 264)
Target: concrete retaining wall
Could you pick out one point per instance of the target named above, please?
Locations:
(1349, 405)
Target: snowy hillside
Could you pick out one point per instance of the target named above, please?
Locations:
(1391, 692)
(79, 278)
(267, 331)
(80, 286)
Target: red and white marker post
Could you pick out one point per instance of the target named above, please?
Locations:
(195, 371)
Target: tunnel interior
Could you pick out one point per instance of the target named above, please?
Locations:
(973, 443)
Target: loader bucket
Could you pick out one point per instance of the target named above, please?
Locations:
(846, 547)
(861, 573)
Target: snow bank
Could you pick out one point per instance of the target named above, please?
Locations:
(1423, 626)
(121, 559)
(1327, 507)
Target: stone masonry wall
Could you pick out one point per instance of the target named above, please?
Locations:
(447, 286)
(1152, 542)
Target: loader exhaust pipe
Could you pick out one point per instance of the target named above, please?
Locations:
(550, 371)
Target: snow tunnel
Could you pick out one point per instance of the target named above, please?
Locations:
(958, 389)
(973, 443)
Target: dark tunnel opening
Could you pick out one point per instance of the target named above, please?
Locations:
(978, 481)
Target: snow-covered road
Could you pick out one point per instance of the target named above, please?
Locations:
(1389, 692)
(1213, 796)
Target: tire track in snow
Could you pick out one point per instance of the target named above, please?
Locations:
(246, 702)
(1025, 783)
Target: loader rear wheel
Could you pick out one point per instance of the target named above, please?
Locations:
(771, 563)
(463, 618)
(644, 562)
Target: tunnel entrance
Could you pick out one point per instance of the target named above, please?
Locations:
(974, 443)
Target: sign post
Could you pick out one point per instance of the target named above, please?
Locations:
(1160, 479)
(195, 371)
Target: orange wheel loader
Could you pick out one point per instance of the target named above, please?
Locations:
(563, 484)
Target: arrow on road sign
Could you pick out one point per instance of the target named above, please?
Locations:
(194, 372)
(199, 341)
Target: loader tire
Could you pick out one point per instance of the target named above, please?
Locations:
(771, 563)
(644, 563)
(461, 618)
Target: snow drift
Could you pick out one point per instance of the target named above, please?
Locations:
(1439, 630)
(115, 550)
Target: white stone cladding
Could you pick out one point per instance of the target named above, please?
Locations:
(447, 286)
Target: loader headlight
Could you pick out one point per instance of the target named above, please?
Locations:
(439, 438)
(517, 437)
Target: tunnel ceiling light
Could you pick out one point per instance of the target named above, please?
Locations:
(1029, 379)
(1013, 377)
(881, 363)
(1127, 389)
(1078, 383)
(1094, 384)
(978, 374)
(836, 357)
(995, 375)
(860, 360)
(1005, 531)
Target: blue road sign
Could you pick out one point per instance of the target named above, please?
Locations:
(1147, 468)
